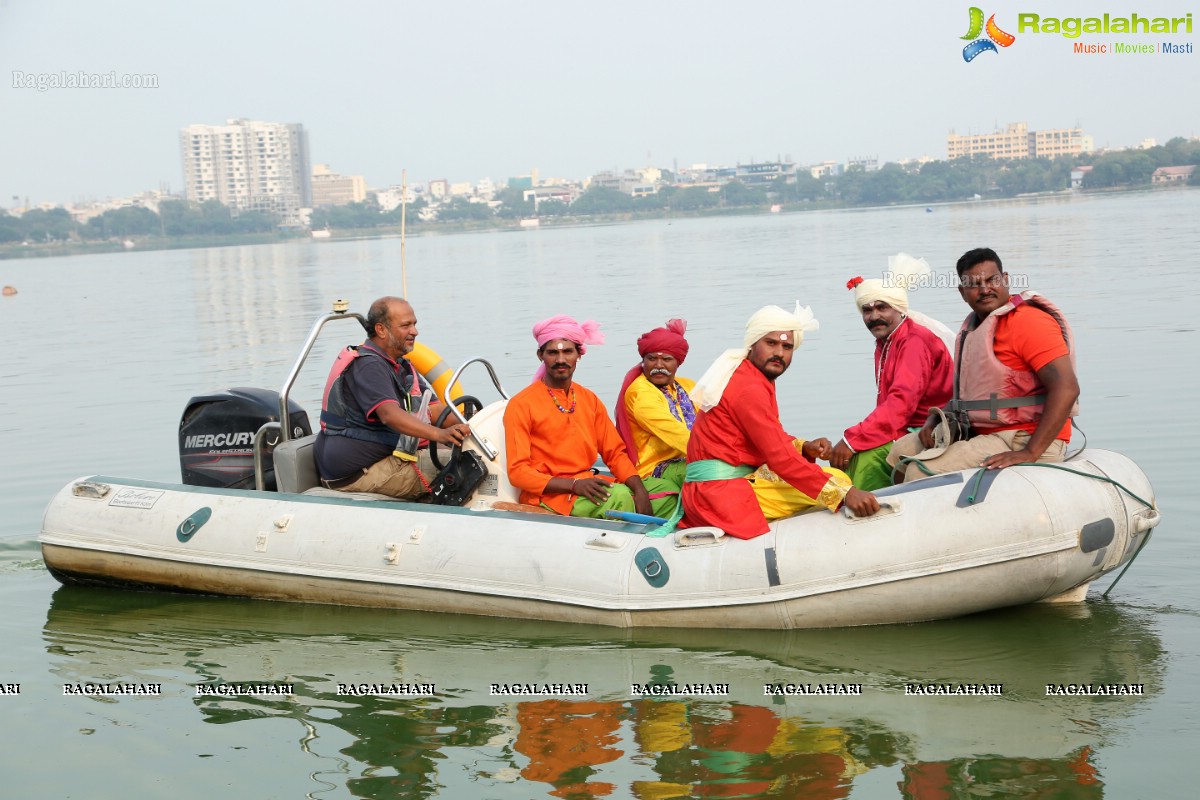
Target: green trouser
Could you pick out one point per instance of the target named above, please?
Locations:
(869, 469)
(674, 472)
(621, 499)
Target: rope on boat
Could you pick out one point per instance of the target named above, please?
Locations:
(1082, 447)
(978, 478)
(1123, 488)
(1129, 564)
(1103, 478)
(906, 460)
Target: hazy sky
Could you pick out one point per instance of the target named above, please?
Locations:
(470, 89)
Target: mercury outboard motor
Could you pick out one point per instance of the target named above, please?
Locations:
(216, 436)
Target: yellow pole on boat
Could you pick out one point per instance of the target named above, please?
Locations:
(403, 214)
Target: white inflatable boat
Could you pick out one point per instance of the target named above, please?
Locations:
(941, 547)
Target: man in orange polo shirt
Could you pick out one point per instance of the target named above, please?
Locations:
(1014, 380)
(555, 429)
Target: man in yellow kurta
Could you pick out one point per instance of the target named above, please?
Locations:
(654, 411)
(655, 414)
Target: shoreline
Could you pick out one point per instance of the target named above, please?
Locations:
(13, 252)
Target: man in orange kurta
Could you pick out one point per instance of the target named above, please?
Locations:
(555, 429)
(565, 740)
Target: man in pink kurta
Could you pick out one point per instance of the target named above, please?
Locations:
(913, 371)
(915, 374)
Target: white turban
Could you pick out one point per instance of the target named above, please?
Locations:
(712, 383)
(904, 273)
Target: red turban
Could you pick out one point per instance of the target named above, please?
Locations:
(667, 340)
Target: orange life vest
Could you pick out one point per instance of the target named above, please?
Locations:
(990, 393)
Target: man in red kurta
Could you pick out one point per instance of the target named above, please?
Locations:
(738, 430)
(913, 371)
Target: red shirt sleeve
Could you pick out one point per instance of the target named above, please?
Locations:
(909, 371)
(758, 419)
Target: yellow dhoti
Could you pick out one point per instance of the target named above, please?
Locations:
(779, 499)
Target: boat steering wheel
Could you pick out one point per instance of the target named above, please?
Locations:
(470, 407)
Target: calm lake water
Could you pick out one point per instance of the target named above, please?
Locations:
(101, 353)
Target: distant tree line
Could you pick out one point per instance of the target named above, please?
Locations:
(174, 218)
(1134, 167)
(932, 182)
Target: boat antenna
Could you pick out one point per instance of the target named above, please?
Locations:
(403, 214)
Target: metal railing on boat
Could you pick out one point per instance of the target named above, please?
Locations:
(283, 425)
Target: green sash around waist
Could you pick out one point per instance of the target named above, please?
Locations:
(710, 469)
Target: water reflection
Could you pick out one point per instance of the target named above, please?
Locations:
(1073, 777)
(736, 750)
(612, 743)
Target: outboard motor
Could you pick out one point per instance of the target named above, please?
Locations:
(216, 436)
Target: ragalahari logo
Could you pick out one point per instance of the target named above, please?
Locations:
(995, 36)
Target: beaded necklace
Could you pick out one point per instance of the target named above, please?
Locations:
(574, 399)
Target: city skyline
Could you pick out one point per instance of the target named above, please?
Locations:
(468, 90)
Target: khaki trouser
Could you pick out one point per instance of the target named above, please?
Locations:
(967, 454)
(396, 478)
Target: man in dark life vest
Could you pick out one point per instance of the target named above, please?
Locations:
(1014, 379)
(375, 431)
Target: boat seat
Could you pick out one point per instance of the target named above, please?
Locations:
(321, 491)
(296, 471)
(296, 465)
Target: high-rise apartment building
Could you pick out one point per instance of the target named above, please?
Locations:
(248, 166)
(1017, 141)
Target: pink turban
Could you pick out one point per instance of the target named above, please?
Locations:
(667, 340)
(561, 326)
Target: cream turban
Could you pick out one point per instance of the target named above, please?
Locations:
(774, 318)
(712, 384)
(904, 273)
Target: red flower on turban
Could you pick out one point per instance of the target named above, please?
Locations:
(855, 281)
